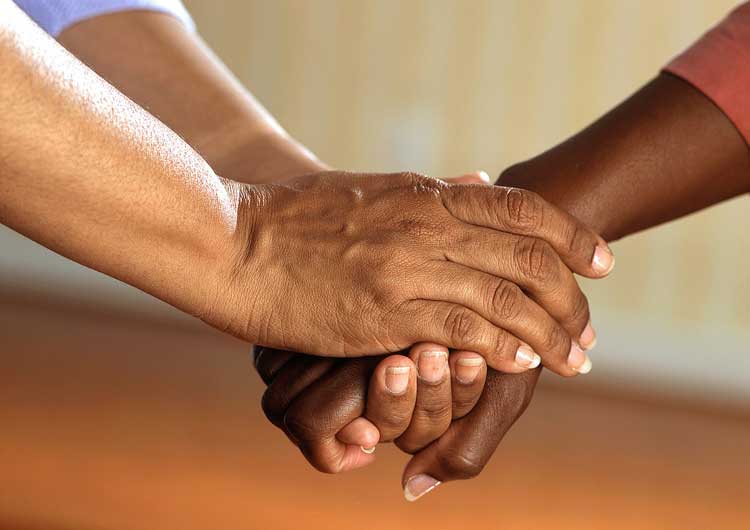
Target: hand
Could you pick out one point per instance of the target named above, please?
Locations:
(391, 261)
(319, 403)
(326, 408)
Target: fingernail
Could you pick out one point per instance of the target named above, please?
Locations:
(527, 358)
(397, 379)
(432, 365)
(419, 486)
(484, 176)
(578, 360)
(588, 337)
(604, 260)
(468, 368)
(367, 450)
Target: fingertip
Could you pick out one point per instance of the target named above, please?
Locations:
(467, 366)
(417, 349)
(395, 374)
(355, 458)
(418, 486)
(603, 261)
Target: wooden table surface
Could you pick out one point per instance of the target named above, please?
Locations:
(112, 423)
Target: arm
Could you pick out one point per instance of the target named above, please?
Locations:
(87, 173)
(166, 68)
(93, 177)
(665, 152)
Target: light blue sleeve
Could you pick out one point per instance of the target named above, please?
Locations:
(56, 15)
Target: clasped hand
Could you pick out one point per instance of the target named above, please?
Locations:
(430, 401)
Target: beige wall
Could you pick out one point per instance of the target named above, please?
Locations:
(448, 86)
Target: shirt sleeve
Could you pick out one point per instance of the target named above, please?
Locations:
(718, 65)
(56, 15)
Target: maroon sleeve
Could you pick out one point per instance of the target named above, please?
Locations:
(718, 65)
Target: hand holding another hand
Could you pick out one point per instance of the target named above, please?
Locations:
(425, 402)
(336, 264)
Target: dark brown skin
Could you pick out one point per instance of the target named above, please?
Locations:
(665, 152)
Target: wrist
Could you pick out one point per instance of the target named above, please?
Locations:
(232, 281)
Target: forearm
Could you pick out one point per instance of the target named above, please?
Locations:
(90, 175)
(161, 65)
(665, 152)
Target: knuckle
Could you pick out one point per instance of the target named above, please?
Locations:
(579, 312)
(458, 465)
(536, 259)
(505, 345)
(392, 424)
(270, 404)
(523, 209)
(505, 300)
(422, 183)
(463, 403)
(460, 326)
(556, 340)
(301, 426)
(436, 409)
(575, 239)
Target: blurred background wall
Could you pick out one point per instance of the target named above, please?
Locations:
(443, 87)
(119, 413)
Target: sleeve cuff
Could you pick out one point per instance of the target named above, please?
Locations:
(54, 16)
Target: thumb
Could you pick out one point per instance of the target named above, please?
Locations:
(466, 447)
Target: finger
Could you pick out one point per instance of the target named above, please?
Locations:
(526, 213)
(468, 373)
(269, 361)
(538, 336)
(360, 433)
(533, 265)
(461, 328)
(290, 381)
(466, 447)
(325, 408)
(391, 396)
(476, 177)
(432, 410)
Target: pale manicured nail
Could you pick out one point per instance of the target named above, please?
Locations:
(397, 379)
(367, 450)
(578, 360)
(432, 365)
(419, 486)
(527, 358)
(588, 337)
(468, 368)
(484, 176)
(604, 260)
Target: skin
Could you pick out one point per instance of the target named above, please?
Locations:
(667, 130)
(663, 153)
(370, 272)
(171, 72)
